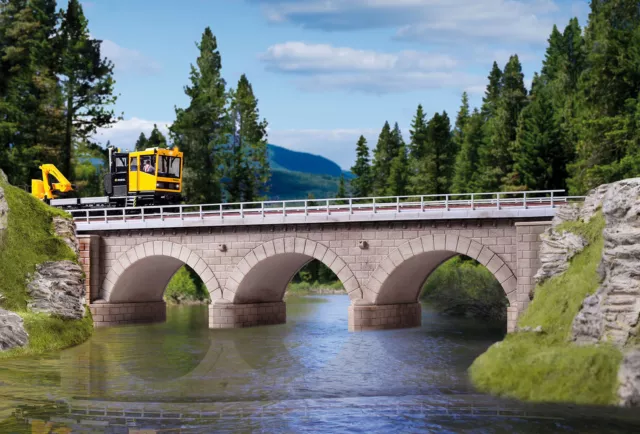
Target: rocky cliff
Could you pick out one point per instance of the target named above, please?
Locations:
(611, 314)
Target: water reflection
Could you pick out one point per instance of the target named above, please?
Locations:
(310, 374)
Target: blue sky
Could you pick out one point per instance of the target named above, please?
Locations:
(324, 71)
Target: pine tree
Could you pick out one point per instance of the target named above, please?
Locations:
(248, 166)
(466, 166)
(30, 105)
(492, 93)
(361, 185)
(142, 143)
(398, 180)
(608, 97)
(156, 139)
(461, 120)
(496, 154)
(86, 80)
(200, 129)
(342, 191)
(553, 63)
(540, 161)
(381, 166)
(417, 146)
(435, 168)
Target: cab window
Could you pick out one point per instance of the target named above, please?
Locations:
(169, 166)
(121, 164)
(146, 163)
(133, 164)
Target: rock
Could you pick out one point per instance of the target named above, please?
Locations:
(66, 229)
(629, 380)
(564, 213)
(58, 288)
(12, 332)
(3, 177)
(612, 313)
(538, 329)
(592, 202)
(555, 252)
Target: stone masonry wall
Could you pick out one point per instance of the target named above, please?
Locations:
(364, 318)
(106, 314)
(528, 262)
(90, 261)
(226, 315)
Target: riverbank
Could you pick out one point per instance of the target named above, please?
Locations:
(28, 238)
(546, 365)
(314, 288)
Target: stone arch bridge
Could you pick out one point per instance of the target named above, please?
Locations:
(246, 255)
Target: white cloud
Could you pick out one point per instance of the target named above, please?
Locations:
(300, 57)
(427, 20)
(127, 60)
(125, 133)
(323, 67)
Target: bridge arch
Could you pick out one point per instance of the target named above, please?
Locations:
(142, 273)
(401, 275)
(263, 274)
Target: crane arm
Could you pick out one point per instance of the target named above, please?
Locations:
(62, 186)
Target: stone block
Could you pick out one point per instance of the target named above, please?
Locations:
(251, 259)
(427, 243)
(269, 248)
(289, 245)
(495, 264)
(260, 253)
(463, 245)
(485, 256)
(278, 244)
(451, 243)
(405, 250)
(396, 257)
(503, 273)
(416, 246)
(329, 257)
(337, 265)
(439, 242)
(310, 247)
(299, 244)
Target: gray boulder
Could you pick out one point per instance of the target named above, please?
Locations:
(629, 380)
(12, 332)
(556, 251)
(57, 288)
(4, 214)
(66, 229)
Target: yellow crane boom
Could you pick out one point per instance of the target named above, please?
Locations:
(46, 189)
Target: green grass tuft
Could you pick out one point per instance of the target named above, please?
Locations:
(548, 367)
(28, 240)
(48, 334)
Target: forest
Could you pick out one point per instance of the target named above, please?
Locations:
(576, 128)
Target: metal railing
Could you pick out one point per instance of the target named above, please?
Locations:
(342, 206)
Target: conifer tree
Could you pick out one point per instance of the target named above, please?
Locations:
(398, 179)
(248, 166)
(156, 139)
(86, 80)
(200, 129)
(381, 166)
(361, 185)
(466, 167)
(461, 120)
(342, 190)
(141, 143)
(492, 93)
(435, 168)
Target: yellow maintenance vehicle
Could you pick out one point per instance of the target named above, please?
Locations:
(140, 178)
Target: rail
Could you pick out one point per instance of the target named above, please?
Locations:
(334, 206)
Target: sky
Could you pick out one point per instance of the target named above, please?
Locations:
(324, 71)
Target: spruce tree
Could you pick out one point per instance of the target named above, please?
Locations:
(86, 80)
(200, 129)
(496, 154)
(466, 167)
(608, 97)
(247, 166)
(142, 143)
(492, 93)
(156, 139)
(540, 161)
(381, 166)
(417, 146)
(342, 190)
(398, 180)
(435, 168)
(461, 120)
(553, 63)
(361, 185)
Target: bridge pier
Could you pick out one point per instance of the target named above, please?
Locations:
(365, 317)
(109, 314)
(225, 315)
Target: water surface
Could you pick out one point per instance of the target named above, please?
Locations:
(309, 375)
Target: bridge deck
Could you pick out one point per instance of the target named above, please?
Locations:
(539, 204)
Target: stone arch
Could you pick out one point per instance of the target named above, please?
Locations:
(400, 276)
(142, 273)
(263, 274)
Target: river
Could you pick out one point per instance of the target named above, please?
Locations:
(309, 375)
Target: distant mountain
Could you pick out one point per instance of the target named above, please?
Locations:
(286, 159)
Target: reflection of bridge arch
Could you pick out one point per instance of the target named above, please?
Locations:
(142, 273)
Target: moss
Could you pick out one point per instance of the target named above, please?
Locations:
(547, 366)
(48, 334)
(29, 240)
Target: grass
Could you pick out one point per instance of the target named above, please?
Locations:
(547, 367)
(48, 334)
(29, 240)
